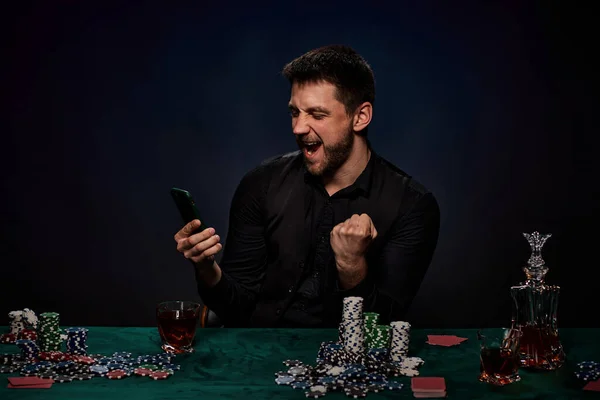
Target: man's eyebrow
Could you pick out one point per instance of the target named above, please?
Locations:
(311, 110)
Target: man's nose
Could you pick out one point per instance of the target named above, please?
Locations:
(300, 125)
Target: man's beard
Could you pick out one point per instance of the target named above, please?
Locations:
(334, 155)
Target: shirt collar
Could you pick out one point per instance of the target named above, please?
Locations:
(362, 183)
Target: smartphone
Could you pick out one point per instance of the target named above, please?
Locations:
(187, 207)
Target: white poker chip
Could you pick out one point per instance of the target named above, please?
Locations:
(409, 372)
(335, 371)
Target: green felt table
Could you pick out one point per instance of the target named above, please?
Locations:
(240, 364)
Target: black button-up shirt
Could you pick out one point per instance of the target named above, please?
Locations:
(278, 266)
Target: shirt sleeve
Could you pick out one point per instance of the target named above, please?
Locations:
(244, 260)
(402, 264)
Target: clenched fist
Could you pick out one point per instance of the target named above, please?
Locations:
(350, 241)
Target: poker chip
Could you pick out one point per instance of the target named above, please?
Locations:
(116, 374)
(589, 365)
(365, 356)
(393, 385)
(84, 360)
(83, 377)
(149, 366)
(300, 384)
(156, 375)
(63, 379)
(142, 371)
(292, 363)
(355, 392)
(48, 375)
(100, 370)
(284, 380)
(316, 391)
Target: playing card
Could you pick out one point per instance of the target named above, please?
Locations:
(444, 340)
(40, 386)
(429, 395)
(428, 384)
(28, 381)
(593, 386)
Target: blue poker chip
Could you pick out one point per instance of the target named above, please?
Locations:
(589, 365)
(588, 375)
(172, 367)
(300, 385)
(99, 369)
(284, 380)
(394, 385)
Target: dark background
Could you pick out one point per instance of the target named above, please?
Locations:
(489, 104)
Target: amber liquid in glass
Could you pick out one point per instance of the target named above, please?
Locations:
(177, 328)
(540, 348)
(500, 364)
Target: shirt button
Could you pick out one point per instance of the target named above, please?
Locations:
(278, 311)
(291, 289)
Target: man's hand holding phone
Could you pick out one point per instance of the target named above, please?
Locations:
(200, 248)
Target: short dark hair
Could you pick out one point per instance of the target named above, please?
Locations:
(339, 65)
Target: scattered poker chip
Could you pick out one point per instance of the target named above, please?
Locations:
(63, 379)
(589, 365)
(292, 363)
(171, 367)
(393, 385)
(409, 372)
(300, 370)
(142, 371)
(116, 374)
(300, 384)
(149, 366)
(156, 375)
(84, 360)
(122, 354)
(316, 391)
(355, 392)
(99, 369)
(47, 375)
(284, 380)
(82, 377)
(588, 375)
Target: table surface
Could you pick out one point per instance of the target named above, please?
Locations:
(240, 363)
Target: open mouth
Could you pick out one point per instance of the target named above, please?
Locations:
(311, 148)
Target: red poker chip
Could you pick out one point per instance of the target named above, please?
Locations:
(8, 338)
(116, 374)
(28, 334)
(55, 356)
(142, 371)
(84, 360)
(159, 375)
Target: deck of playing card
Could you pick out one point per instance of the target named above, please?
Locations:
(29, 382)
(444, 340)
(428, 387)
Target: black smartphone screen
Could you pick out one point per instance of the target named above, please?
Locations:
(187, 207)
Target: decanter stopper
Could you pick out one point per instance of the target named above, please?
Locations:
(536, 267)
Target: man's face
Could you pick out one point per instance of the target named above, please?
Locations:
(323, 129)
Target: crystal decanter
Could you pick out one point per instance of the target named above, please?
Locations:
(534, 312)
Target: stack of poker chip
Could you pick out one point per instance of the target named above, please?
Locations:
(49, 332)
(588, 370)
(400, 340)
(29, 348)
(380, 337)
(353, 325)
(16, 322)
(76, 341)
(371, 321)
